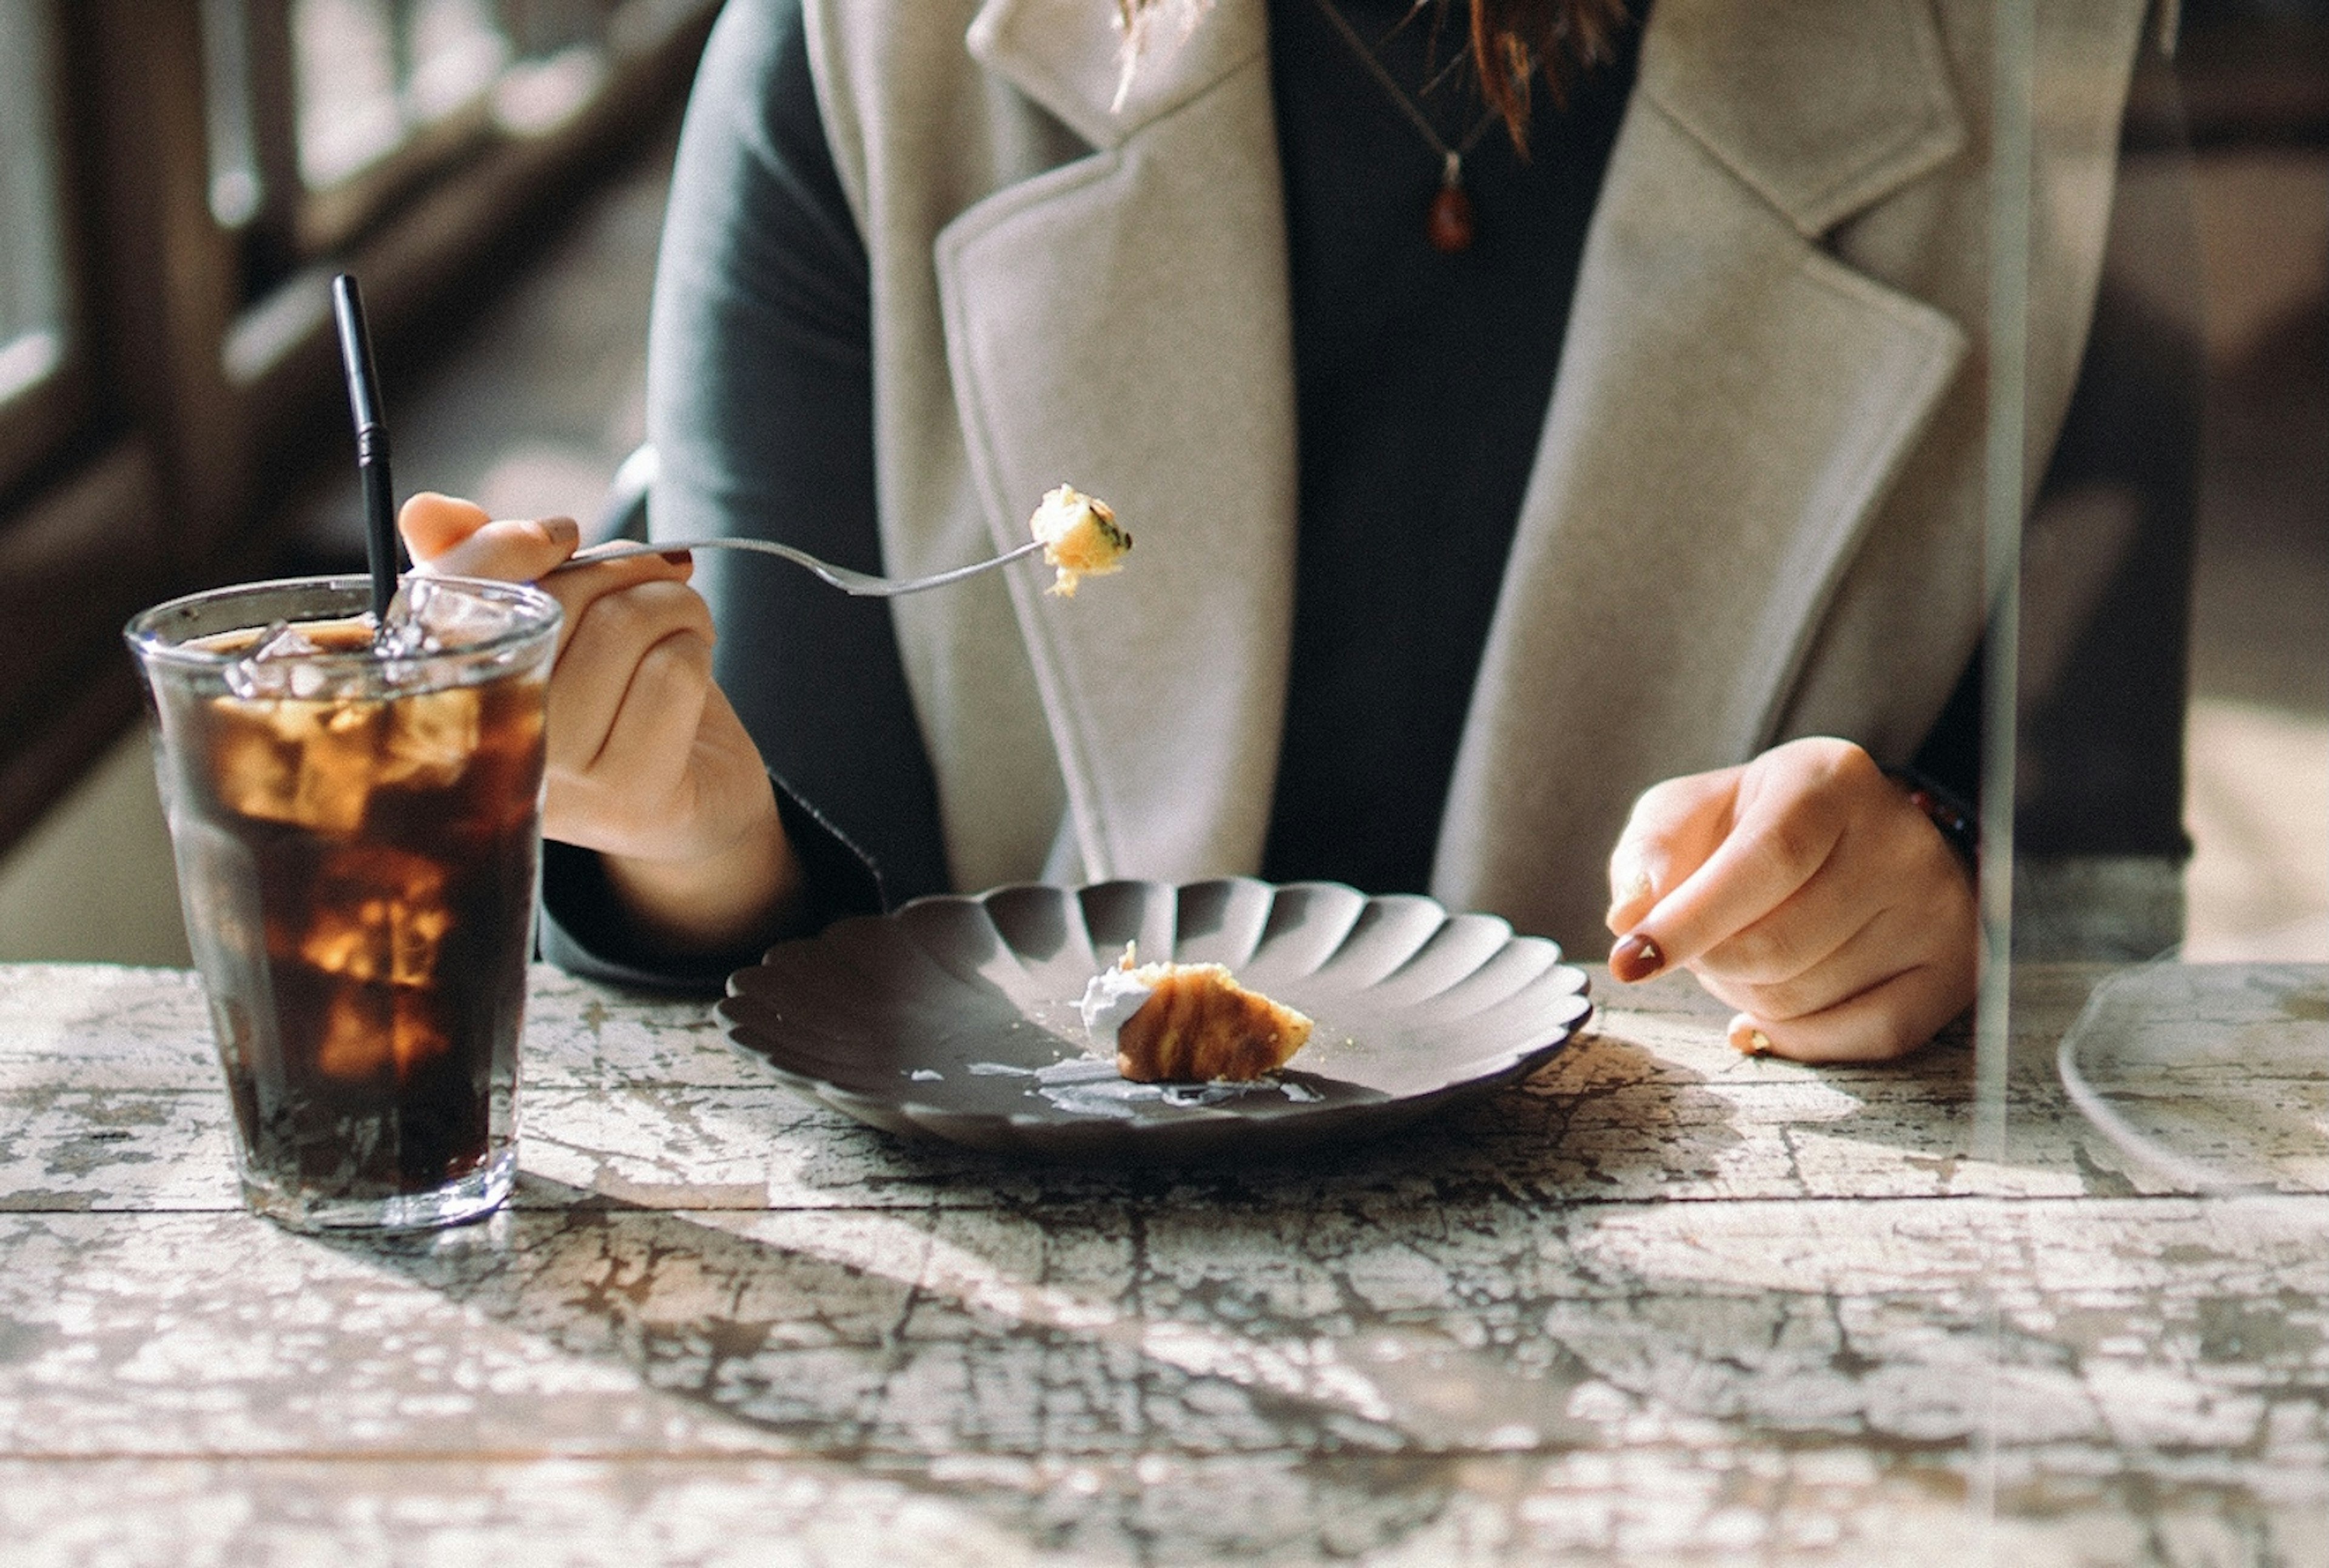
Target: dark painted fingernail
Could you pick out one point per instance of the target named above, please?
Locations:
(678, 557)
(1635, 958)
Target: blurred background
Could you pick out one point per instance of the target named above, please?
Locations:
(2255, 89)
(180, 178)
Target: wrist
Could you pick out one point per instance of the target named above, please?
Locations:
(737, 895)
(1951, 816)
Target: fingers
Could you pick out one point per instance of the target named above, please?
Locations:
(737, 875)
(1814, 962)
(510, 551)
(1812, 896)
(1914, 922)
(679, 804)
(599, 597)
(628, 687)
(1881, 1023)
(654, 731)
(1836, 934)
(626, 797)
(648, 763)
(1783, 833)
(1673, 828)
(608, 637)
(1787, 811)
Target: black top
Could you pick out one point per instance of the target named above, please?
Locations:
(1420, 386)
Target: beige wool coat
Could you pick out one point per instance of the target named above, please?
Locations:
(1755, 509)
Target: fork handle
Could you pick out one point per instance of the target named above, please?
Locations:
(841, 577)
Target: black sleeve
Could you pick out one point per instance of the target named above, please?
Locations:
(583, 931)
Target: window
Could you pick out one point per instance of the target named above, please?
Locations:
(168, 231)
(35, 314)
(373, 74)
(32, 283)
(326, 116)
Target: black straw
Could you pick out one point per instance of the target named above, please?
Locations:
(371, 443)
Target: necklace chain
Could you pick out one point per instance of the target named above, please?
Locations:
(1452, 159)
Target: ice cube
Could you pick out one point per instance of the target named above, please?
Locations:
(366, 1031)
(318, 683)
(448, 616)
(359, 1036)
(262, 673)
(379, 919)
(429, 738)
(297, 761)
(283, 664)
(402, 636)
(420, 1033)
(285, 641)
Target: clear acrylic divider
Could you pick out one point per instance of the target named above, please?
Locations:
(2150, 1099)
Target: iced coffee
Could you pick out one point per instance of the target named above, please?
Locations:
(356, 816)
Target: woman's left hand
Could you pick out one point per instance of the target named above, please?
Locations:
(1805, 890)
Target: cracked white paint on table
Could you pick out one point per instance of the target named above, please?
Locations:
(1659, 1304)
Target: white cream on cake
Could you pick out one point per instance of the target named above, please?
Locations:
(1111, 999)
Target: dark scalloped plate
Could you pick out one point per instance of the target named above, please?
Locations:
(934, 1020)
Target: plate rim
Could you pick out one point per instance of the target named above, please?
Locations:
(911, 1106)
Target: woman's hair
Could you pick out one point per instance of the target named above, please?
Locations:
(1511, 42)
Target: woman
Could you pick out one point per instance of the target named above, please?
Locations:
(1457, 565)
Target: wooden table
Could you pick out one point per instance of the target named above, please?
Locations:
(1660, 1304)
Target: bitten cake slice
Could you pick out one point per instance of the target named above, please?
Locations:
(1080, 537)
(1187, 1023)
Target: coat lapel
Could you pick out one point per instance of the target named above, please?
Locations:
(1733, 404)
(1119, 322)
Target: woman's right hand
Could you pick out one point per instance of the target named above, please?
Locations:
(648, 764)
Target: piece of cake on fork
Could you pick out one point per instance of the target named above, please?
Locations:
(1080, 537)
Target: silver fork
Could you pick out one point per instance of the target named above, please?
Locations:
(862, 584)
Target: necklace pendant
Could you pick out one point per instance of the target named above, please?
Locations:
(1448, 224)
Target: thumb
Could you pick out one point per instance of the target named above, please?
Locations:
(433, 524)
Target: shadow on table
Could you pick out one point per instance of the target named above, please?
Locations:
(880, 1343)
(1162, 1383)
